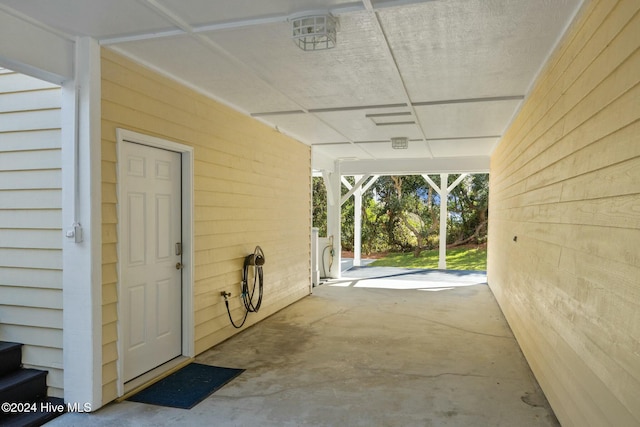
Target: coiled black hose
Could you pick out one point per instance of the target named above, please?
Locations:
(255, 260)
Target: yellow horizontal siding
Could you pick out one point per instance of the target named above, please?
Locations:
(565, 180)
(31, 222)
(251, 184)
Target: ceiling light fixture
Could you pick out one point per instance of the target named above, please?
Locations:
(400, 143)
(315, 32)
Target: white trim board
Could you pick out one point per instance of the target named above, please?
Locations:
(188, 325)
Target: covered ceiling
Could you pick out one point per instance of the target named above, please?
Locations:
(447, 74)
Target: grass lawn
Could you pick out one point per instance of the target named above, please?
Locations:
(463, 258)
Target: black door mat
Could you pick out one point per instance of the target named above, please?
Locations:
(187, 387)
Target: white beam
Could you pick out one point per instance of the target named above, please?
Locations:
(455, 183)
(353, 189)
(432, 184)
(320, 161)
(416, 166)
(345, 182)
(32, 50)
(370, 183)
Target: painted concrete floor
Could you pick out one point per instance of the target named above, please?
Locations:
(410, 348)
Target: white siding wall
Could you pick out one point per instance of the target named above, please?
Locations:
(30, 222)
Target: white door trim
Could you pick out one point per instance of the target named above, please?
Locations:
(188, 327)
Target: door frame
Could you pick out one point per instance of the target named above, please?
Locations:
(188, 325)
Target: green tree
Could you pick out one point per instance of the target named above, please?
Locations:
(401, 213)
(409, 203)
(319, 202)
(469, 207)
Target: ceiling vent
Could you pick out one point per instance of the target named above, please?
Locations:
(400, 143)
(316, 32)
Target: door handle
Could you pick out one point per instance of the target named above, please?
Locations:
(179, 266)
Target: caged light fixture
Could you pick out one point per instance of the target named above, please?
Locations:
(400, 143)
(316, 32)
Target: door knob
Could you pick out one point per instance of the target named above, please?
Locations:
(179, 266)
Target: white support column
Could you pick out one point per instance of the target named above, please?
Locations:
(357, 224)
(315, 259)
(444, 195)
(443, 191)
(357, 190)
(333, 185)
(326, 177)
(81, 215)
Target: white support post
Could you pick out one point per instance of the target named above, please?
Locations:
(357, 224)
(333, 184)
(326, 177)
(444, 195)
(443, 191)
(315, 259)
(357, 190)
(81, 213)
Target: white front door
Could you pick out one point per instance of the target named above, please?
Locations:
(150, 260)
